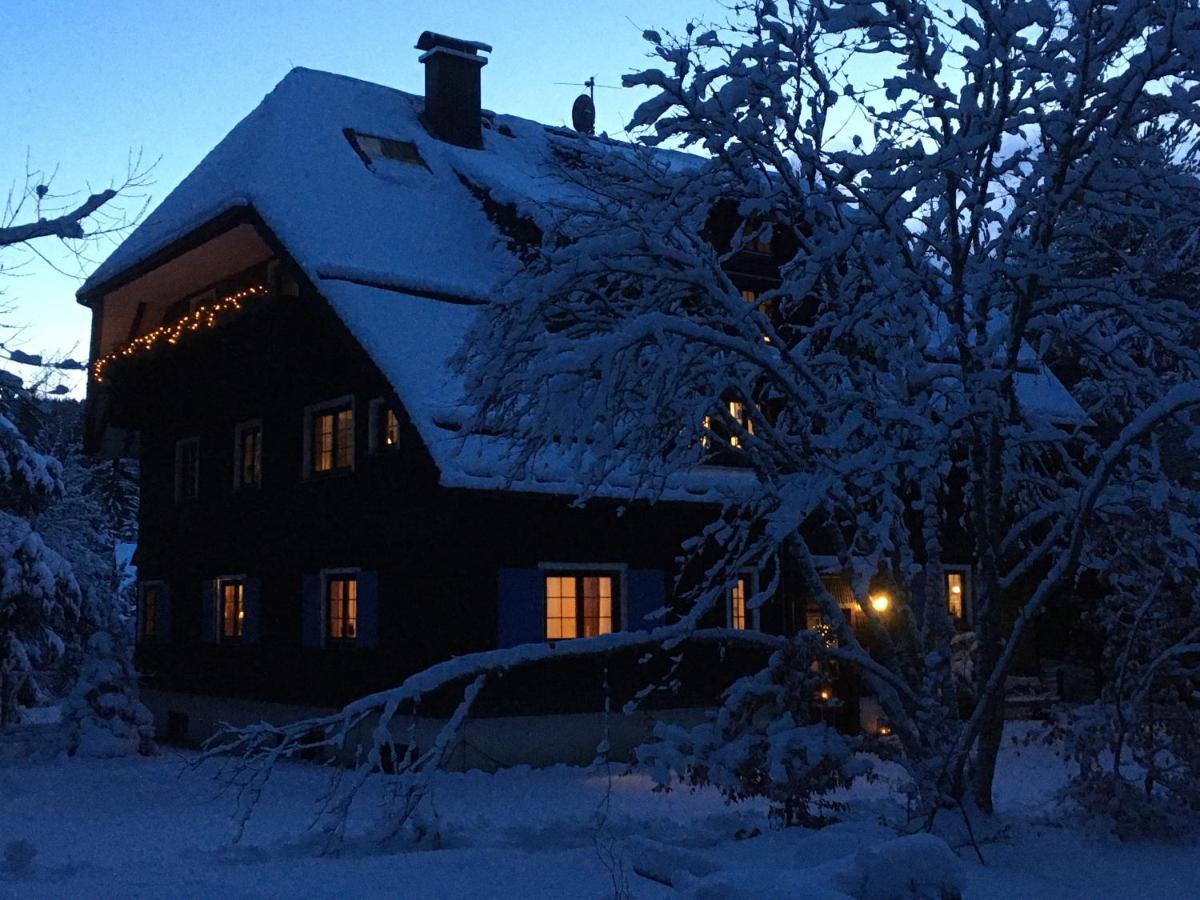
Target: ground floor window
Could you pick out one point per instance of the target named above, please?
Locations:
(579, 604)
(341, 603)
(957, 587)
(148, 613)
(231, 593)
(737, 603)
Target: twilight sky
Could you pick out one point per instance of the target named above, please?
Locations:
(84, 83)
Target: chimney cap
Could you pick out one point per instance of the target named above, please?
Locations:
(431, 40)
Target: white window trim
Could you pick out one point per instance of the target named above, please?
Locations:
(238, 430)
(618, 570)
(755, 623)
(179, 445)
(307, 473)
(968, 602)
(141, 607)
(326, 575)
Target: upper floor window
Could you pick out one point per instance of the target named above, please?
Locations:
(330, 441)
(740, 419)
(148, 611)
(385, 427)
(231, 593)
(341, 605)
(187, 469)
(247, 471)
(957, 593)
(579, 604)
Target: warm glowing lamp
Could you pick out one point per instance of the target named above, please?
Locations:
(880, 603)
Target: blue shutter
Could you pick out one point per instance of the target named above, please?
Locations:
(367, 628)
(647, 592)
(252, 604)
(520, 607)
(208, 610)
(312, 611)
(163, 612)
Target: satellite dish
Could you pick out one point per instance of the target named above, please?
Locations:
(583, 114)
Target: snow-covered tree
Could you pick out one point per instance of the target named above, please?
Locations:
(936, 246)
(44, 614)
(956, 196)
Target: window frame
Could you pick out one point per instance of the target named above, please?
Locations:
(752, 620)
(380, 407)
(616, 571)
(968, 608)
(153, 633)
(239, 432)
(193, 441)
(311, 413)
(327, 577)
(240, 620)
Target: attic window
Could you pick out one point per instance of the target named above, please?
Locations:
(372, 148)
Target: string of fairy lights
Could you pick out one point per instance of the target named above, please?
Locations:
(205, 316)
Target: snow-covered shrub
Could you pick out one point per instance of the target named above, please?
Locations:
(915, 866)
(103, 710)
(768, 739)
(1137, 748)
(39, 611)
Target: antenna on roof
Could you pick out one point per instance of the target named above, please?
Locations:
(583, 110)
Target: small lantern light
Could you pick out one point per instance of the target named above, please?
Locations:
(824, 694)
(881, 602)
(882, 728)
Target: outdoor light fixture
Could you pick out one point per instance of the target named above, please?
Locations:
(881, 602)
(824, 695)
(882, 728)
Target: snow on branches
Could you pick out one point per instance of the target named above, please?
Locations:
(1006, 202)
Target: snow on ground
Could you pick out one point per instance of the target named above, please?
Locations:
(151, 827)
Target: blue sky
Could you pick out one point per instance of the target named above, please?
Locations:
(86, 82)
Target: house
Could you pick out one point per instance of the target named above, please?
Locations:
(273, 343)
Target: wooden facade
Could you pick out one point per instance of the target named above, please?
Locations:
(442, 571)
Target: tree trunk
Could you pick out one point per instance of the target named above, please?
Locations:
(983, 769)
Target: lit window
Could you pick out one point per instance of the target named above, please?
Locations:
(341, 603)
(954, 593)
(148, 614)
(388, 425)
(187, 469)
(739, 414)
(751, 297)
(248, 462)
(232, 595)
(737, 604)
(333, 439)
(578, 605)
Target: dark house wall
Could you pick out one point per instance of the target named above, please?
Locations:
(455, 570)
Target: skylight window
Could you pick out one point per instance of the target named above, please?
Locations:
(372, 149)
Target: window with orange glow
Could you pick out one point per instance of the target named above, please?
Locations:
(232, 596)
(954, 593)
(578, 605)
(333, 440)
(341, 600)
(248, 473)
(737, 604)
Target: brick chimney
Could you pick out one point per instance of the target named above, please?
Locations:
(452, 96)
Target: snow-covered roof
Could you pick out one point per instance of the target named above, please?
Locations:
(381, 243)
